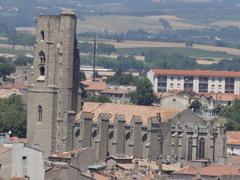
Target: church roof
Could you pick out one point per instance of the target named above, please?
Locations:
(127, 111)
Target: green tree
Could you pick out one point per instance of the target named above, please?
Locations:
(13, 116)
(23, 61)
(232, 114)
(121, 79)
(86, 47)
(144, 94)
(21, 39)
(6, 69)
(99, 99)
(195, 105)
(106, 48)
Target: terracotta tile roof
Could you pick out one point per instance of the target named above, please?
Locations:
(233, 160)
(186, 170)
(4, 149)
(196, 73)
(219, 170)
(222, 96)
(5, 93)
(116, 91)
(214, 170)
(15, 139)
(233, 137)
(101, 177)
(17, 178)
(95, 86)
(68, 154)
(145, 112)
(152, 165)
(15, 86)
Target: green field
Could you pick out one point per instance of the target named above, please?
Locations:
(14, 51)
(116, 23)
(182, 51)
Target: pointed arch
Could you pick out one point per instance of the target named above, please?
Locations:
(42, 57)
(42, 36)
(190, 143)
(201, 148)
(42, 70)
(40, 113)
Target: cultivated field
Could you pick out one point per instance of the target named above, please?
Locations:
(151, 44)
(125, 23)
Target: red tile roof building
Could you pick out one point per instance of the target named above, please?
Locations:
(199, 81)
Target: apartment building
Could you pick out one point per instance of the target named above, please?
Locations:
(199, 81)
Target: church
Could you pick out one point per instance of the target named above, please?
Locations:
(56, 122)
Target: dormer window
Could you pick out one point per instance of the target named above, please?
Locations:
(42, 36)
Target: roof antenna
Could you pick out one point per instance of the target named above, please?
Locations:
(94, 55)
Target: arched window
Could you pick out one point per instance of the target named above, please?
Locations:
(39, 113)
(77, 133)
(94, 134)
(144, 138)
(201, 149)
(42, 57)
(42, 71)
(110, 136)
(128, 136)
(190, 143)
(42, 35)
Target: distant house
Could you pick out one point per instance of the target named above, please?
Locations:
(16, 160)
(117, 94)
(69, 165)
(174, 100)
(233, 142)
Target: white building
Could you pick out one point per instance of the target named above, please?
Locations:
(199, 81)
(17, 160)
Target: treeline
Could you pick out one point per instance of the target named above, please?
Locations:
(155, 58)
(102, 48)
(232, 114)
(129, 64)
(227, 36)
(8, 66)
(122, 79)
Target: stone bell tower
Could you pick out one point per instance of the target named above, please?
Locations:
(53, 96)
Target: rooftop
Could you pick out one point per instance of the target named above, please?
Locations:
(233, 137)
(95, 85)
(4, 149)
(222, 96)
(68, 154)
(128, 111)
(214, 170)
(205, 73)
